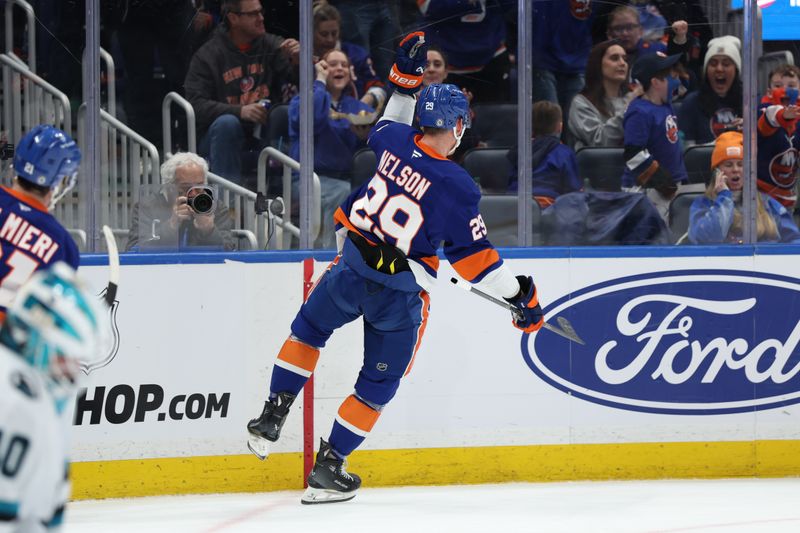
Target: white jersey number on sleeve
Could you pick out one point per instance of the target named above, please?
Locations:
(387, 208)
(479, 230)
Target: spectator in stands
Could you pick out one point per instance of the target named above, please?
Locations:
(372, 25)
(327, 22)
(653, 155)
(717, 216)
(473, 36)
(341, 125)
(230, 76)
(779, 141)
(150, 34)
(436, 67)
(625, 26)
(595, 117)
(784, 76)
(176, 217)
(562, 38)
(436, 72)
(555, 168)
(690, 11)
(717, 105)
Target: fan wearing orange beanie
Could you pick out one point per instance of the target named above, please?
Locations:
(716, 217)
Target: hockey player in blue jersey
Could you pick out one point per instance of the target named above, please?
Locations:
(45, 165)
(53, 326)
(388, 232)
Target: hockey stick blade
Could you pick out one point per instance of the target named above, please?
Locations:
(566, 330)
(113, 265)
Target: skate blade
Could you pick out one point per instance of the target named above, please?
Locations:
(259, 446)
(313, 496)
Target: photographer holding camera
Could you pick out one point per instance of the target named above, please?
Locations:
(183, 213)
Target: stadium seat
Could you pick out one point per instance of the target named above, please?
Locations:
(698, 162)
(679, 215)
(489, 167)
(603, 167)
(364, 163)
(278, 127)
(769, 61)
(499, 212)
(496, 124)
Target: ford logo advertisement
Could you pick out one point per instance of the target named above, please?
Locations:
(680, 342)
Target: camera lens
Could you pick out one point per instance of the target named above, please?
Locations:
(200, 199)
(202, 203)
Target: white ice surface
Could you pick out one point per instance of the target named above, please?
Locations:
(737, 505)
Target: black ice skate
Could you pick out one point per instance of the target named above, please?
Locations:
(329, 482)
(267, 427)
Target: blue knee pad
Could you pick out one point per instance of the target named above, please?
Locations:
(376, 390)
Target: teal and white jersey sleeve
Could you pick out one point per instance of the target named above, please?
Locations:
(34, 485)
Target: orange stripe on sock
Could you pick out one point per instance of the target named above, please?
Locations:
(426, 304)
(473, 265)
(299, 354)
(358, 414)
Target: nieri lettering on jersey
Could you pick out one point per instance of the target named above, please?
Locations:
(25, 236)
(406, 177)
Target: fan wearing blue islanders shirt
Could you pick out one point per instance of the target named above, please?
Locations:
(653, 156)
(46, 164)
(389, 233)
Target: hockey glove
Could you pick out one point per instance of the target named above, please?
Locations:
(409, 65)
(528, 315)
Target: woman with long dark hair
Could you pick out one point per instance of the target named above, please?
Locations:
(595, 116)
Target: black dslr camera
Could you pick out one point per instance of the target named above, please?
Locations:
(200, 199)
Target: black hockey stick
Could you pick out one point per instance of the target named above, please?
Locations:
(113, 266)
(566, 330)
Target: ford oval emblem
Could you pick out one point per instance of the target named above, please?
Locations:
(680, 342)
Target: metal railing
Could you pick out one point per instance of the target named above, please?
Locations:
(28, 100)
(166, 122)
(290, 164)
(9, 28)
(127, 161)
(241, 199)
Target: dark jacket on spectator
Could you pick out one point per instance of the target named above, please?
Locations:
(704, 115)
(555, 169)
(562, 36)
(334, 142)
(222, 78)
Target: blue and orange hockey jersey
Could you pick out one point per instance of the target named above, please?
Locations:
(30, 238)
(419, 201)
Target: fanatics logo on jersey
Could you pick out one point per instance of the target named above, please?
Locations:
(672, 129)
(415, 154)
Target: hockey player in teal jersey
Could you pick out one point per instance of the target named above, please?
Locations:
(389, 231)
(53, 325)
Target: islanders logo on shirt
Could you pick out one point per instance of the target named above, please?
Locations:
(722, 119)
(580, 9)
(672, 129)
(783, 168)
